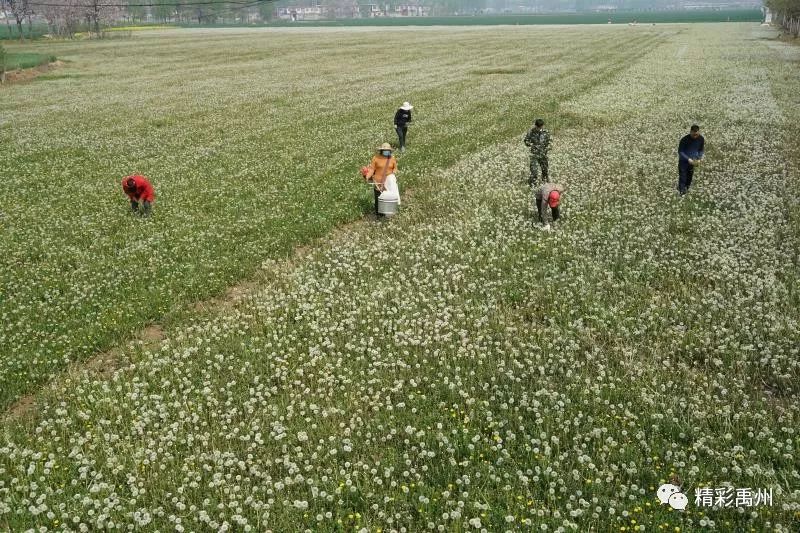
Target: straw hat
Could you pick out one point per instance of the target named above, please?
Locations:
(385, 146)
(406, 106)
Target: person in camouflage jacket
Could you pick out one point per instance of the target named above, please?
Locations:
(538, 140)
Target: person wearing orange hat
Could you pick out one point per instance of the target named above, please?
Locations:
(139, 189)
(382, 164)
(549, 195)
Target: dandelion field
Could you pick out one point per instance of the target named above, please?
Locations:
(452, 369)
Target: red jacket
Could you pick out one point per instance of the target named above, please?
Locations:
(144, 189)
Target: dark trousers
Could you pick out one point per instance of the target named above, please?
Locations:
(536, 162)
(553, 210)
(402, 129)
(145, 207)
(377, 193)
(685, 173)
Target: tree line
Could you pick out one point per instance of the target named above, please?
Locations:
(63, 17)
(66, 17)
(786, 13)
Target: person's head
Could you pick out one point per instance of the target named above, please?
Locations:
(130, 185)
(694, 131)
(538, 123)
(385, 149)
(554, 199)
(406, 106)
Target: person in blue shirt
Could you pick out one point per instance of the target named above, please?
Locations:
(690, 152)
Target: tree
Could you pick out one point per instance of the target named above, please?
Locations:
(162, 12)
(18, 9)
(265, 10)
(787, 13)
(135, 10)
(62, 16)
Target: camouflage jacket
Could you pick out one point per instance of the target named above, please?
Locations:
(538, 141)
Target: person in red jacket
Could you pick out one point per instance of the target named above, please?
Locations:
(139, 189)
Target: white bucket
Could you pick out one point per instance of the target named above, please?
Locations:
(387, 207)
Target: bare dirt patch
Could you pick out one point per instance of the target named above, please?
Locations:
(21, 407)
(150, 334)
(27, 74)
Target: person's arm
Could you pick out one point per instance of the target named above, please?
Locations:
(528, 139)
(682, 150)
(702, 150)
(397, 116)
(370, 169)
(148, 193)
(543, 205)
(546, 142)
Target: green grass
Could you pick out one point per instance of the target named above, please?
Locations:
(241, 186)
(452, 365)
(20, 60)
(142, 27)
(10, 33)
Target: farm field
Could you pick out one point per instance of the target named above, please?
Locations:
(454, 368)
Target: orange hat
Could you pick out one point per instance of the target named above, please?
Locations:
(554, 198)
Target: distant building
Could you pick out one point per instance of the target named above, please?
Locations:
(411, 10)
(605, 9)
(295, 13)
(370, 10)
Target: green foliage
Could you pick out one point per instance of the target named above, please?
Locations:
(135, 10)
(790, 8)
(18, 60)
(10, 32)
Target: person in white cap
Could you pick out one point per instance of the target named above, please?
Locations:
(401, 119)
